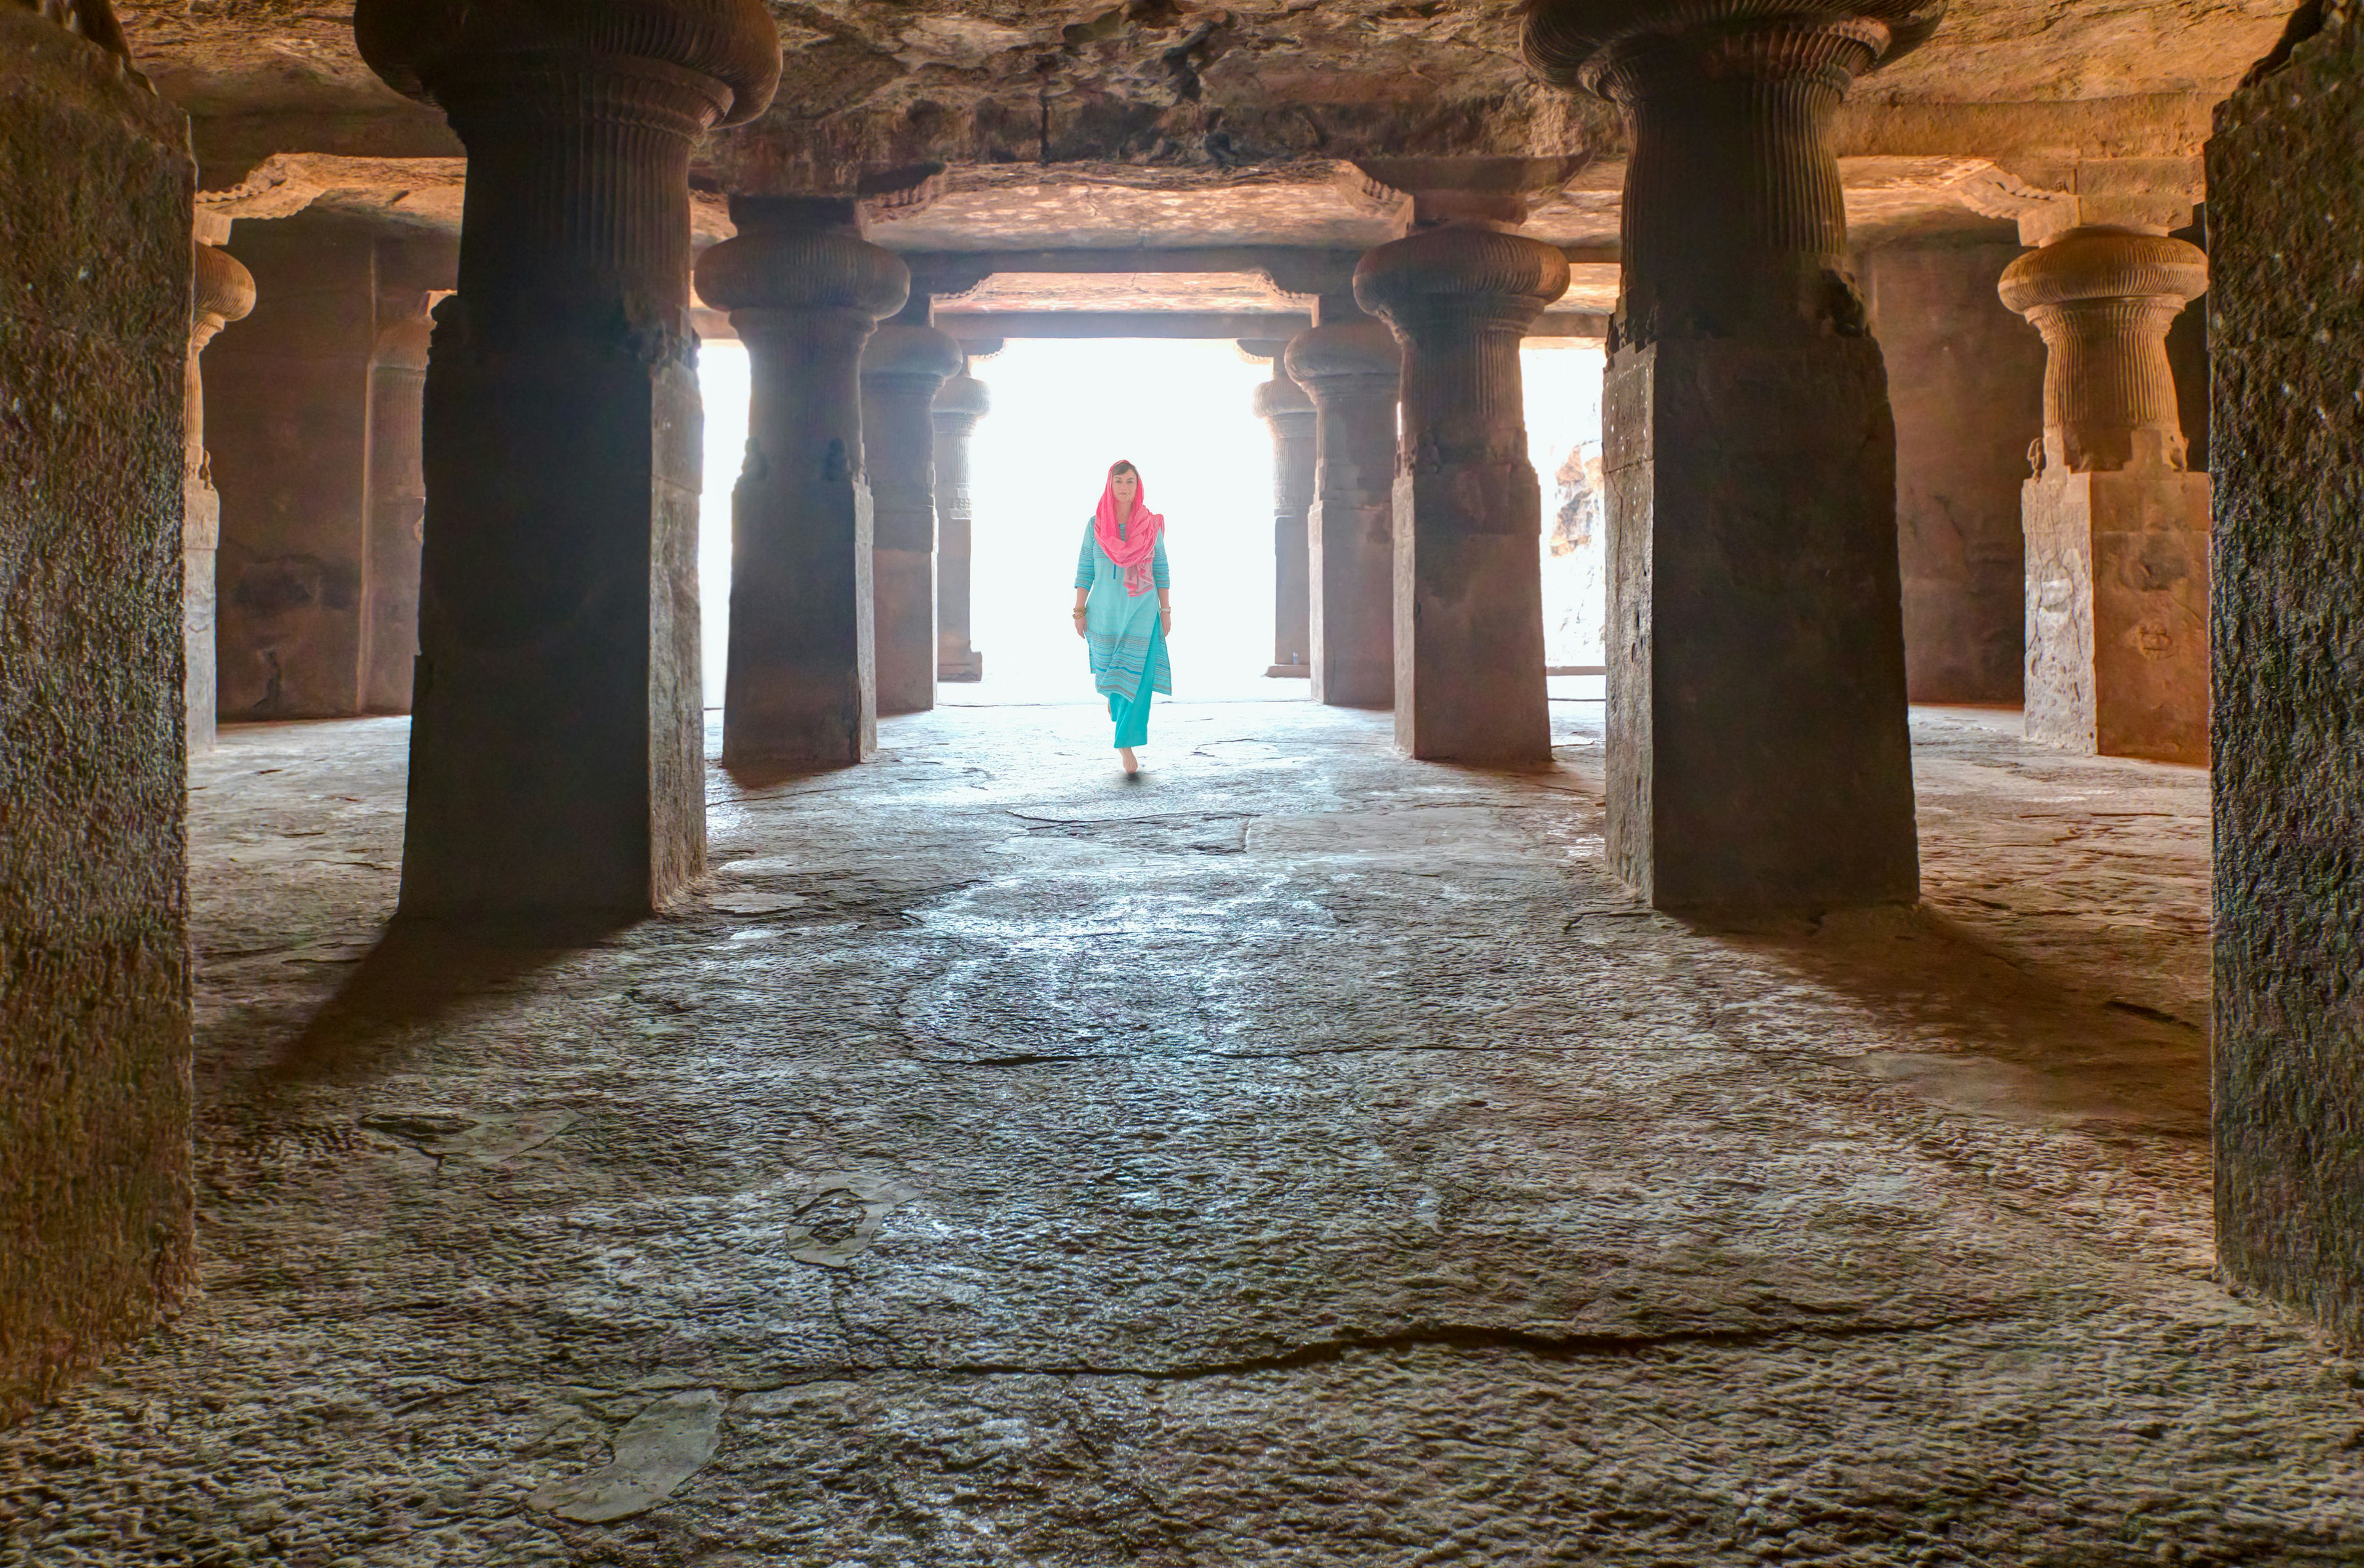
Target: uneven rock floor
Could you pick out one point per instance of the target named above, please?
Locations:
(1302, 1157)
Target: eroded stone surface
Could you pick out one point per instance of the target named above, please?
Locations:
(95, 1188)
(1311, 1157)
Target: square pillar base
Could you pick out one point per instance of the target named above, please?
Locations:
(1350, 550)
(904, 628)
(802, 685)
(2117, 613)
(1469, 616)
(557, 757)
(1758, 755)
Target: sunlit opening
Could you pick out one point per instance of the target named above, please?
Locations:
(1181, 410)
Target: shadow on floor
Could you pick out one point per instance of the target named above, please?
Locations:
(418, 973)
(2005, 1038)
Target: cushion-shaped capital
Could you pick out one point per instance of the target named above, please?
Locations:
(920, 353)
(1569, 42)
(224, 288)
(822, 269)
(1457, 268)
(413, 44)
(2104, 263)
(1342, 349)
(963, 395)
(1281, 400)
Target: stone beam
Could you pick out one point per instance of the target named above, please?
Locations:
(970, 325)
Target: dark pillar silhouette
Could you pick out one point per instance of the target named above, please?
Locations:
(903, 366)
(1285, 410)
(1353, 371)
(1468, 509)
(961, 404)
(1757, 753)
(803, 291)
(557, 756)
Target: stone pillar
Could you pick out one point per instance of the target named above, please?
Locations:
(906, 364)
(1353, 371)
(556, 752)
(2117, 532)
(1966, 382)
(961, 404)
(2286, 618)
(803, 291)
(1759, 756)
(97, 1216)
(287, 433)
(1468, 510)
(397, 505)
(224, 294)
(1285, 410)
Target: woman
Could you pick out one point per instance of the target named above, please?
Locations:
(1124, 558)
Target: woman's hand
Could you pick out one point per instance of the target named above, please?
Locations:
(1079, 622)
(1166, 616)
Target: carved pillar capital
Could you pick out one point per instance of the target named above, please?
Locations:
(961, 402)
(224, 292)
(1460, 298)
(578, 121)
(1283, 405)
(1734, 222)
(790, 268)
(2103, 298)
(1348, 360)
(908, 358)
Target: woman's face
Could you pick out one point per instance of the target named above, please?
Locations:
(1124, 484)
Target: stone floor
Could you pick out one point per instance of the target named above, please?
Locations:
(1301, 1157)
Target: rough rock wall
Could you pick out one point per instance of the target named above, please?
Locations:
(2286, 214)
(94, 279)
(1966, 377)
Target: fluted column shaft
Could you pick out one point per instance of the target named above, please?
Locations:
(959, 406)
(224, 294)
(2103, 298)
(1735, 219)
(1759, 756)
(1288, 411)
(1352, 371)
(1468, 510)
(805, 292)
(903, 368)
(2117, 529)
(557, 748)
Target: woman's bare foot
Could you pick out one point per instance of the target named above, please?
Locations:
(1132, 763)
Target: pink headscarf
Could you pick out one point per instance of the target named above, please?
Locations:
(1138, 547)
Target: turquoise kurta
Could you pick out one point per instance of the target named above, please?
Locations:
(1121, 631)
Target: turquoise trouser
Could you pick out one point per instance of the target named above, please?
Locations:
(1131, 714)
